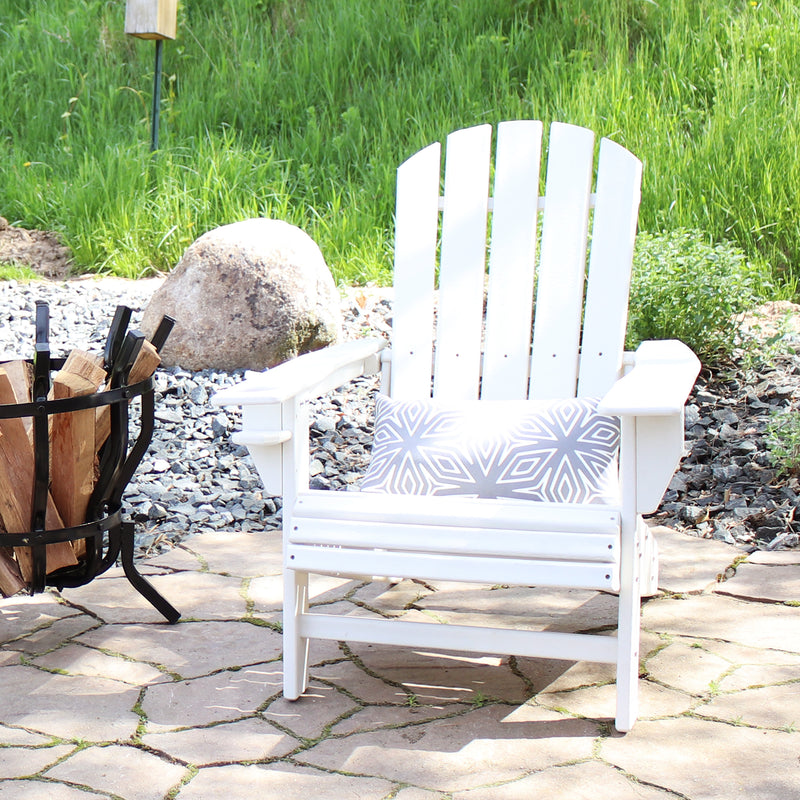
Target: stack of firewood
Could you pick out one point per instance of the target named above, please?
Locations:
(76, 439)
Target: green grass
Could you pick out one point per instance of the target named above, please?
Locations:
(303, 109)
(16, 272)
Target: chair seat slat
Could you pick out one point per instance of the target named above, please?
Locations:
(459, 511)
(436, 566)
(451, 539)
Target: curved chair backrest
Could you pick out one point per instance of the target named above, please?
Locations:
(488, 343)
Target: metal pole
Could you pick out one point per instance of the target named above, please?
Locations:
(156, 97)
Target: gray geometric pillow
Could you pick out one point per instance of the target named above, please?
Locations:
(556, 451)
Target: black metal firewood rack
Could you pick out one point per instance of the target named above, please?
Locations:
(107, 534)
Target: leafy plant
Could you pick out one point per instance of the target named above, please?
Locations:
(684, 287)
(783, 441)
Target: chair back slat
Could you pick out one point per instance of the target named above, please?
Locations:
(559, 295)
(509, 303)
(619, 180)
(462, 265)
(570, 342)
(416, 226)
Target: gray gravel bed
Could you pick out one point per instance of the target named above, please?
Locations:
(194, 479)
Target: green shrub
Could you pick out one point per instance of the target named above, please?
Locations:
(684, 287)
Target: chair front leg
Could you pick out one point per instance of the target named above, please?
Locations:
(630, 585)
(295, 647)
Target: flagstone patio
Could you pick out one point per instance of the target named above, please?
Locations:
(100, 698)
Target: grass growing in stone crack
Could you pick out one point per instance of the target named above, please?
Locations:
(192, 771)
(262, 623)
(138, 709)
(480, 700)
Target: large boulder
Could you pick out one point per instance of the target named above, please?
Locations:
(247, 295)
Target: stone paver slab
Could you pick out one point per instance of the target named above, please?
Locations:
(196, 595)
(718, 617)
(599, 702)
(237, 553)
(390, 597)
(590, 780)
(766, 583)
(179, 558)
(22, 762)
(314, 711)
(706, 760)
(12, 736)
(93, 709)
(686, 667)
(376, 717)
(49, 638)
(771, 557)
(10, 658)
(76, 660)
(369, 689)
(267, 592)
(552, 609)
(246, 740)
(123, 771)
(32, 790)
(221, 697)
(689, 564)
(20, 615)
(743, 655)
(412, 793)
(488, 745)
(281, 781)
(190, 649)
(776, 707)
(754, 677)
(435, 678)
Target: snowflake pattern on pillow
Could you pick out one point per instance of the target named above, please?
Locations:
(559, 451)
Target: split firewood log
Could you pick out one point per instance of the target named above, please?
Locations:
(11, 580)
(72, 438)
(17, 478)
(146, 363)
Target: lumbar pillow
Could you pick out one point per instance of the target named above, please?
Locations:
(555, 451)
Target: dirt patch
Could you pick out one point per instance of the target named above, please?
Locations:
(776, 318)
(40, 250)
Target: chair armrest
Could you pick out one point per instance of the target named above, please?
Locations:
(659, 383)
(310, 374)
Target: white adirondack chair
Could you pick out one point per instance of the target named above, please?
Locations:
(495, 351)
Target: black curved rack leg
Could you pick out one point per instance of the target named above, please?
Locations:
(139, 582)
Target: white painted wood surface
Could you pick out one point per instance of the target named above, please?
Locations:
(509, 304)
(463, 264)
(495, 541)
(416, 231)
(559, 295)
(616, 209)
